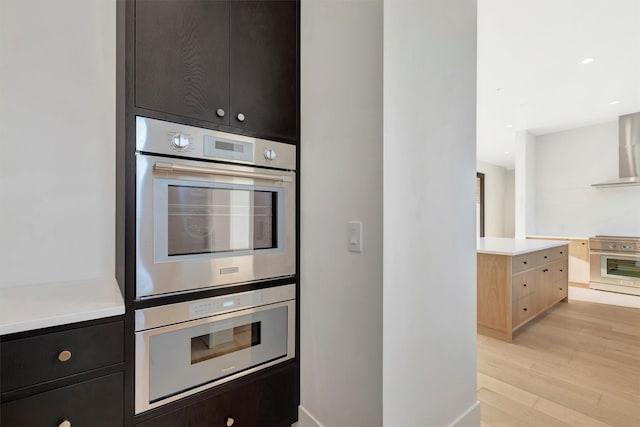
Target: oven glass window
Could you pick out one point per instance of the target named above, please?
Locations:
(623, 267)
(190, 355)
(213, 220)
(219, 343)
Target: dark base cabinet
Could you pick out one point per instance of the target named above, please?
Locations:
(70, 375)
(94, 403)
(268, 401)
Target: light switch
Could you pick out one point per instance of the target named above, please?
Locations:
(354, 236)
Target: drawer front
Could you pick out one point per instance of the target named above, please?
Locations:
(267, 401)
(545, 256)
(559, 252)
(560, 290)
(46, 357)
(523, 309)
(524, 262)
(560, 270)
(95, 403)
(523, 284)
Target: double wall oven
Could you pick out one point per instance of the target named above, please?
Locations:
(615, 264)
(212, 210)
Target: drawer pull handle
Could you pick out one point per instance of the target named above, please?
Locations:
(65, 423)
(64, 356)
(524, 262)
(545, 270)
(561, 270)
(561, 253)
(525, 285)
(560, 288)
(525, 309)
(230, 421)
(582, 243)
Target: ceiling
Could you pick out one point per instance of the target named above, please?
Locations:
(530, 71)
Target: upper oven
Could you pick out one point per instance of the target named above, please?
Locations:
(212, 208)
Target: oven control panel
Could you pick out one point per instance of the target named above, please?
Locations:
(217, 305)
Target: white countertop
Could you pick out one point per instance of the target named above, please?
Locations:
(511, 247)
(534, 236)
(28, 307)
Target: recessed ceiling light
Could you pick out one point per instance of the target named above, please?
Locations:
(586, 61)
(508, 126)
(507, 152)
(614, 103)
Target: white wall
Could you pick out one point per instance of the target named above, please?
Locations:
(341, 174)
(57, 115)
(567, 164)
(429, 222)
(494, 198)
(525, 184)
(509, 229)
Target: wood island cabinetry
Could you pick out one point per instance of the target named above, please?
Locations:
(514, 289)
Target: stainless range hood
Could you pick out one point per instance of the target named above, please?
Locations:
(629, 153)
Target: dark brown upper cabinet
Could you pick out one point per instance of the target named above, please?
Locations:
(225, 64)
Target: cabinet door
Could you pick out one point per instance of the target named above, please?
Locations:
(263, 64)
(96, 403)
(182, 58)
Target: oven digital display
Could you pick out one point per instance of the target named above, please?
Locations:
(228, 146)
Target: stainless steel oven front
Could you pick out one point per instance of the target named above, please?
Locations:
(213, 209)
(615, 264)
(184, 348)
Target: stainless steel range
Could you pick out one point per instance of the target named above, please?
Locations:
(615, 264)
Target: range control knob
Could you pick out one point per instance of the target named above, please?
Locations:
(270, 154)
(180, 141)
(612, 246)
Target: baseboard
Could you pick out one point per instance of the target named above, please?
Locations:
(470, 418)
(305, 419)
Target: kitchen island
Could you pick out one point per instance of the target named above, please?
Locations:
(518, 279)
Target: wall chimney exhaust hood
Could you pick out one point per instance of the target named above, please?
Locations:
(629, 153)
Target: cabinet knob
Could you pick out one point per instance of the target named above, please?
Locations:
(65, 423)
(560, 288)
(64, 356)
(525, 309)
(524, 262)
(561, 270)
(230, 421)
(525, 285)
(561, 252)
(220, 112)
(583, 243)
(545, 257)
(240, 117)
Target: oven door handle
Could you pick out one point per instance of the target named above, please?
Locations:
(616, 254)
(172, 167)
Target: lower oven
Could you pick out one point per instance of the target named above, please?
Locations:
(615, 264)
(184, 348)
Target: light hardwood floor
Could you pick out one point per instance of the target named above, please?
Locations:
(576, 365)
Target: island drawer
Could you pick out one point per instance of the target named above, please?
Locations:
(560, 270)
(96, 403)
(32, 360)
(524, 262)
(523, 284)
(523, 309)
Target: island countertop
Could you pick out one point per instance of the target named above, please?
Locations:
(511, 247)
